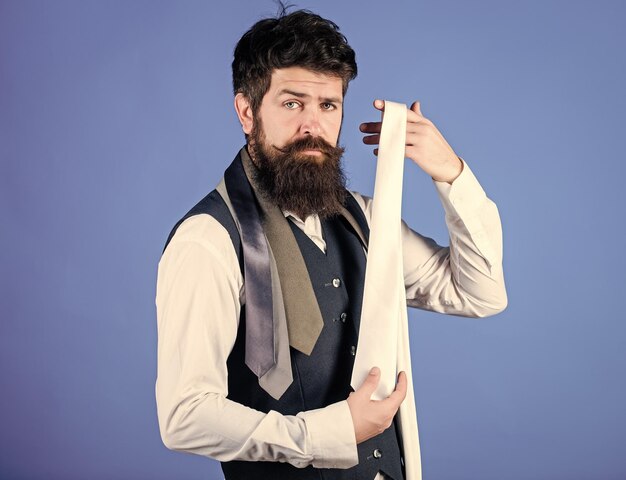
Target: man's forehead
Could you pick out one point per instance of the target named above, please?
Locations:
(302, 80)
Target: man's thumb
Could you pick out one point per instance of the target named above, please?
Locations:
(371, 381)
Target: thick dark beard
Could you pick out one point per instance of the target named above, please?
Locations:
(302, 184)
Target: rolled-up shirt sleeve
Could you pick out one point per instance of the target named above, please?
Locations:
(198, 301)
(466, 277)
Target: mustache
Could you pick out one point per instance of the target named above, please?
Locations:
(310, 143)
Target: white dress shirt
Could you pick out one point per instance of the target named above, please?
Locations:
(200, 292)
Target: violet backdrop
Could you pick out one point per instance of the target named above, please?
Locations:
(116, 117)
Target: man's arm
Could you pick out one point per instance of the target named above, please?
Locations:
(465, 278)
(198, 306)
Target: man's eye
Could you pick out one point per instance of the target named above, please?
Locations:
(291, 105)
(328, 106)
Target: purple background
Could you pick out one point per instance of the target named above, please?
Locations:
(116, 117)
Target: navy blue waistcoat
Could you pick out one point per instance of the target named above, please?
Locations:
(323, 377)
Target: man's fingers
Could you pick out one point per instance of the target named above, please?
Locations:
(397, 396)
(370, 127)
(414, 117)
(371, 140)
(373, 127)
(371, 382)
(415, 106)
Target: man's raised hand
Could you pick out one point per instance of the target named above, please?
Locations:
(425, 145)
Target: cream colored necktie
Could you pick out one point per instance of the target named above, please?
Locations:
(384, 297)
(383, 333)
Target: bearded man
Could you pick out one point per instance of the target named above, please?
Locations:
(260, 285)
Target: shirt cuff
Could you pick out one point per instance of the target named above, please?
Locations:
(466, 203)
(464, 197)
(331, 436)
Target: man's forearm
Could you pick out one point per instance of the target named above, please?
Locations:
(465, 278)
(210, 425)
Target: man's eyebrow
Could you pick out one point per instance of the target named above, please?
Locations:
(286, 91)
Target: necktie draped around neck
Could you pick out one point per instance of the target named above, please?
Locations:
(281, 307)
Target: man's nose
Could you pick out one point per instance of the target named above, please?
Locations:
(311, 124)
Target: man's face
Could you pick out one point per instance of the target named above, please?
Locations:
(293, 142)
(301, 103)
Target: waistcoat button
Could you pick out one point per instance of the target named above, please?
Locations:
(377, 453)
(336, 282)
(353, 350)
(343, 317)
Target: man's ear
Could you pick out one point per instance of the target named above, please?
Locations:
(244, 112)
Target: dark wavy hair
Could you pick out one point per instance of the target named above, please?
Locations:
(298, 39)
